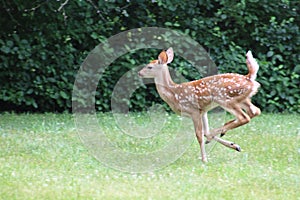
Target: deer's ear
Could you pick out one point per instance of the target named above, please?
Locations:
(163, 58)
(170, 55)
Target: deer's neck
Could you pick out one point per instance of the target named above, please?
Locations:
(164, 84)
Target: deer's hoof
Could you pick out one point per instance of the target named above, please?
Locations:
(222, 134)
(238, 148)
(207, 141)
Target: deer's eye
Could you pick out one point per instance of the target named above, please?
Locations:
(149, 67)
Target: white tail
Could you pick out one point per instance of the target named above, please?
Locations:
(252, 66)
(194, 99)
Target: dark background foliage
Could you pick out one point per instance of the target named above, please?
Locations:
(43, 44)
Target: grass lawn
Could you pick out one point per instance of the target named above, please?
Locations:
(42, 157)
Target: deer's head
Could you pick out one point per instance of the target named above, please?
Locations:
(155, 67)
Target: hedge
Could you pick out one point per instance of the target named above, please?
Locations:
(43, 44)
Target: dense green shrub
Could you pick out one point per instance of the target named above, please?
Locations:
(43, 44)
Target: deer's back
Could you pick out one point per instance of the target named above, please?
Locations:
(226, 87)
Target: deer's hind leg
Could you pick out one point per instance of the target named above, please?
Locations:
(222, 141)
(251, 109)
(241, 119)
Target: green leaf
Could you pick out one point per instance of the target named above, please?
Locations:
(63, 95)
(270, 53)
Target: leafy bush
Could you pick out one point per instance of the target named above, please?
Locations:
(43, 43)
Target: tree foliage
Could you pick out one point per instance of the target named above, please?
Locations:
(43, 44)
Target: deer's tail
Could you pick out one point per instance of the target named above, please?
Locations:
(252, 66)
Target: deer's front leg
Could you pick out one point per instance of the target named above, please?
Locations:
(200, 132)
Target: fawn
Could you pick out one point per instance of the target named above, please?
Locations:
(194, 99)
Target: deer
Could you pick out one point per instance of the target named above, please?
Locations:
(194, 99)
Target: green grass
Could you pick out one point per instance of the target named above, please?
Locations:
(42, 157)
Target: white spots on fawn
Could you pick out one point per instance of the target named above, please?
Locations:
(191, 97)
(201, 93)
